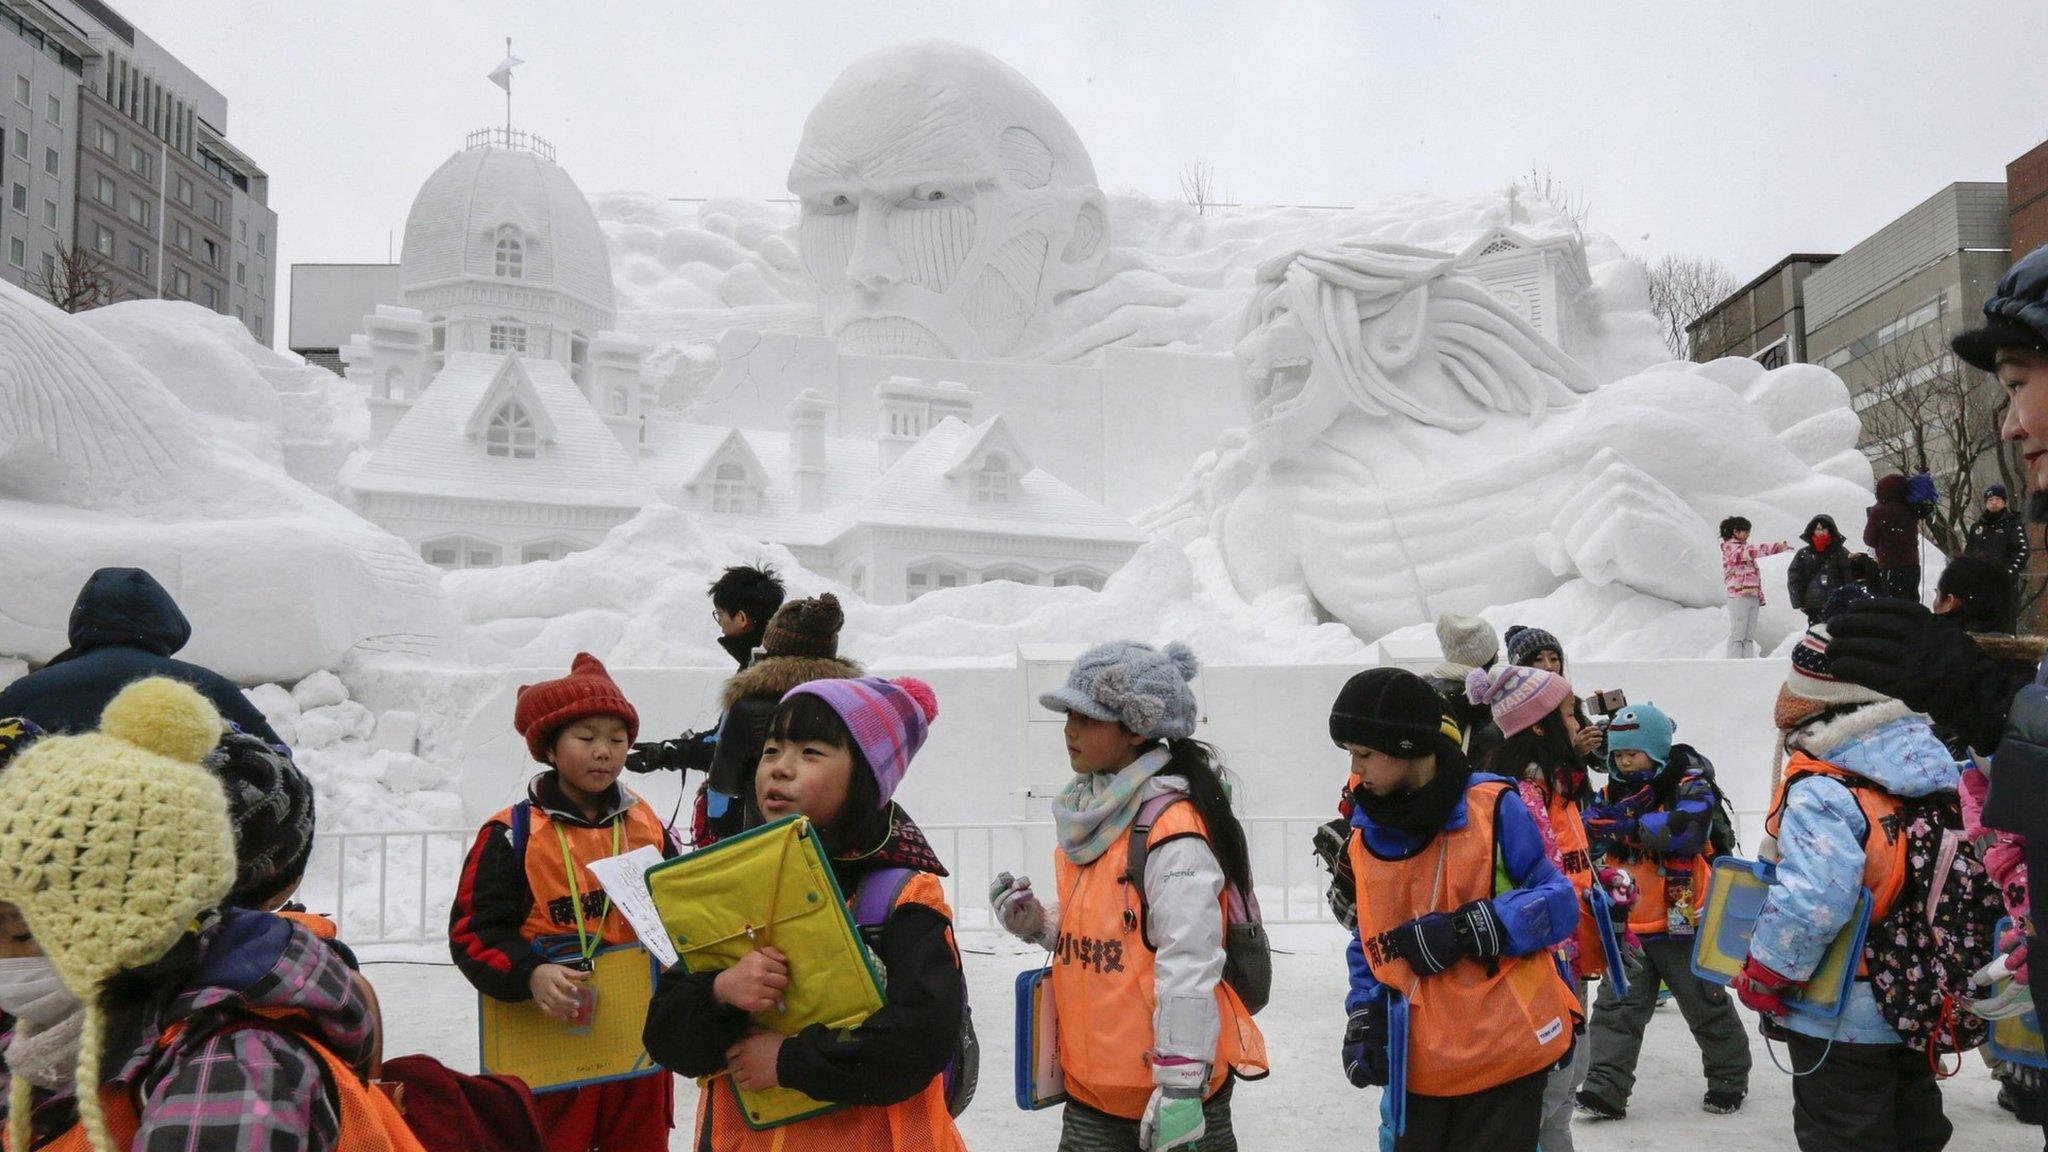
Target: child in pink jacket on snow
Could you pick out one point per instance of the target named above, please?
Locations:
(1745, 587)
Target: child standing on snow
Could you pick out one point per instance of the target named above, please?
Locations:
(1655, 820)
(1458, 910)
(1150, 1036)
(835, 751)
(1536, 713)
(1743, 583)
(1853, 755)
(529, 915)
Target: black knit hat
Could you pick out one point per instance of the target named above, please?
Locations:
(805, 628)
(1391, 710)
(1524, 643)
(270, 803)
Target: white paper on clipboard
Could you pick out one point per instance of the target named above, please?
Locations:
(625, 881)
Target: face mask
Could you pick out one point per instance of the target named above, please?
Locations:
(30, 990)
(1822, 539)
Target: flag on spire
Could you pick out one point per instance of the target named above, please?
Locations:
(502, 74)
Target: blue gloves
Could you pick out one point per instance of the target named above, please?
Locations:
(1622, 819)
(1365, 1046)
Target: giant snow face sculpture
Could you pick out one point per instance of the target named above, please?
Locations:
(1417, 449)
(945, 204)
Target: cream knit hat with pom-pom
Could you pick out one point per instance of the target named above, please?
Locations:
(112, 844)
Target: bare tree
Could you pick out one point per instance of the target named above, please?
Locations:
(1198, 187)
(1553, 190)
(78, 280)
(1683, 289)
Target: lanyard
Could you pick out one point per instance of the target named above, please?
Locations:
(583, 941)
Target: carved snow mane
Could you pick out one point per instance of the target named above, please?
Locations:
(1395, 330)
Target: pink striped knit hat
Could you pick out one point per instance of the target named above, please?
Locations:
(889, 720)
(1520, 697)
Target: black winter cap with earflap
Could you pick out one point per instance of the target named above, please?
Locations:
(1391, 711)
(2015, 316)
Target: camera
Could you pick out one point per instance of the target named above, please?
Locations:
(1606, 703)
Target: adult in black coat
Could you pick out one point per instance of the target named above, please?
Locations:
(124, 627)
(1819, 568)
(1999, 538)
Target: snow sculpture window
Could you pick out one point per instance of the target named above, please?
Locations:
(546, 550)
(508, 337)
(1015, 573)
(993, 483)
(1087, 578)
(511, 257)
(511, 433)
(459, 552)
(731, 489)
(394, 384)
(858, 580)
(618, 402)
(932, 576)
(906, 422)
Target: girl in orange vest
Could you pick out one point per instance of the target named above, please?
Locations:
(528, 913)
(1459, 910)
(1542, 752)
(1150, 1035)
(835, 752)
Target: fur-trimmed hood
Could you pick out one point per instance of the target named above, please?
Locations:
(776, 675)
(1885, 742)
(2017, 649)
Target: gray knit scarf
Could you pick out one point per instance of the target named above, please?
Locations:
(47, 1057)
(1095, 807)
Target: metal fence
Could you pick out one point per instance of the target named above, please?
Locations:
(395, 887)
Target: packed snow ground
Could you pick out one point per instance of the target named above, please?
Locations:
(1306, 1103)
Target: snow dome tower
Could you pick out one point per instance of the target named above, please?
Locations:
(504, 256)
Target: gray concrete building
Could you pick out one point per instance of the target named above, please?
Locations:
(329, 302)
(1764, 319)
(138, 170)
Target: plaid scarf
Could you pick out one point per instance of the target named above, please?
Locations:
(1095, 807)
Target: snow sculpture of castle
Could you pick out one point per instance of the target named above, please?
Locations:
(510, 424)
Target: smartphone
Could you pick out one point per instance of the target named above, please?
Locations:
(1607, 702)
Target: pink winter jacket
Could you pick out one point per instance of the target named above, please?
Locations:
(1738, 567)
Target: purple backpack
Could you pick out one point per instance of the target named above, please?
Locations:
(875, 897)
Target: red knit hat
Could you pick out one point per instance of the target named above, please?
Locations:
(545, 708)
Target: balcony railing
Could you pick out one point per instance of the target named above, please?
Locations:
(513, 138)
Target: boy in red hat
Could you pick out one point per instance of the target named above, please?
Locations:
(527, 920)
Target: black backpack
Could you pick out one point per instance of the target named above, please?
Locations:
(874, 898)
(1247, 954)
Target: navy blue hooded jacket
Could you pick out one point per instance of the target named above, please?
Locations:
(124, 627)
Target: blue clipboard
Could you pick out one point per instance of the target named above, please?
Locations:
(1397, 1061)
(2017, 1039)
(1610, 943)
(1041, 1082)
(1735, 896)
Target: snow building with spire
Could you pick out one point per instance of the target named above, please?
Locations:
(511, 423)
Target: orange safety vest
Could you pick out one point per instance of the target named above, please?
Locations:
(553, 912)
(1575, 859)
(1884, 841)
(370, 1122)
(1472, 1026)
(1102, 974)
(919, 1124)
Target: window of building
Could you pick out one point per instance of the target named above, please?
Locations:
(1014, 573)
(49, 213)
(546, 550)
(260, 335)
(241, 272)
(17, 252)
(185, 191)
(730, 489)
(104, 189)
(139, 160)
(238, 313)
(243, 234)
(138, 258)
(105, 138)
(103, 240)
(181, 283)
(213, 211)
(21, 143)
(138, 209)
(511, 258)
(1079, 578)
(930, 577)
(209, 296)
(460, 553)
(53, 110)
(259, 243)
(993, 483)
(260, 289)
(22, 91)
(52, 162)
(505, 336)
(511, 433)
(49, 268)
(19, 199)
(183, 236)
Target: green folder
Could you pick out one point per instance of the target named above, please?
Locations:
(1735, 896)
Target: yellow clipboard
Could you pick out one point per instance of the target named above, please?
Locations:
(518, 1039)
(1735, 896)
(772, 886)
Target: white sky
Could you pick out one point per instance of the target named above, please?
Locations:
(1738, 129)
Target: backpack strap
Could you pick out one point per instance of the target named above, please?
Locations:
(876, 894)
(522, 824)
(1140, 836)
